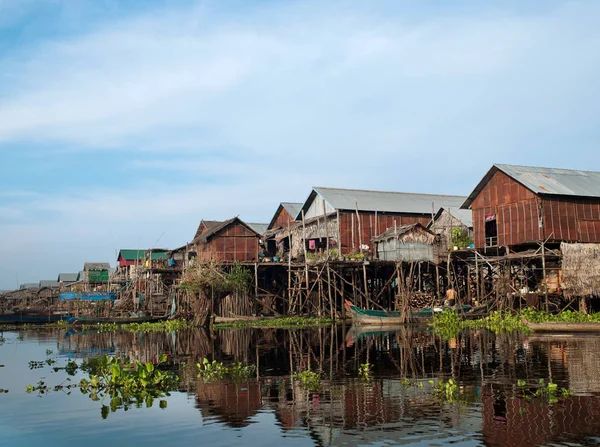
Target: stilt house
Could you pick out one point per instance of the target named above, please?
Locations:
(518, 205)
(350, 218)
(230, 240)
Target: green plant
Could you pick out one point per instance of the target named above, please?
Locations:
(364, 371)
(446, 391)
(213, 371)
(548, 391)
(308, 380)
(460, 237)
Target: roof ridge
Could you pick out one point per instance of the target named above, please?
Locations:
(499, 165)
(388, 192)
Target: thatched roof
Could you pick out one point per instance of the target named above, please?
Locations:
(401, 231)
(581, 269)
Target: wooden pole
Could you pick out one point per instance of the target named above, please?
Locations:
(305, 253)
(544, 273)
(360, 240)
(365, 281)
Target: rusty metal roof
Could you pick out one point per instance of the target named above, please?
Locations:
(382, 201)
(259, 228)
(551, 181)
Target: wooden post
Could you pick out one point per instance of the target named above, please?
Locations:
(544, 273)
(360, 240)
(289, 272)
(365, 281)
(256, 280)
(305, 253)
(326, 228)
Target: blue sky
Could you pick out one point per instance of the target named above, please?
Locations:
(123, 123)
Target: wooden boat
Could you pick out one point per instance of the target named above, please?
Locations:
(390, 318)
(564, 326)
(117, 320)
(31, 317)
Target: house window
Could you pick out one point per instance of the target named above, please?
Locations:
(491, 231)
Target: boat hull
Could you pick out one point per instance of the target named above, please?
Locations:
(31, 318)
(117, 320)
(384, 318)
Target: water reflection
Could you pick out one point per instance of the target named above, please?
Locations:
(397, 406)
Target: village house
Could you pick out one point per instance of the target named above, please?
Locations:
(347, 220)
(276, 236)
(519, 205)
(67, 279)
(406, 243)
(230, 240)
(454, 227)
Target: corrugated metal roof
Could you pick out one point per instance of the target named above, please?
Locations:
(551, 181)
(68, 277)
(96, 266)
(260, 228)
(49, 283)
(292, 207)
(132, 254)
(383, 201)
(29, 285)
(216, 226)
(464, 216)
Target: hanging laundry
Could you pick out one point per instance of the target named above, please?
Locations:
(312, 244)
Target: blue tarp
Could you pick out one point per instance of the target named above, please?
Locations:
(88, 296)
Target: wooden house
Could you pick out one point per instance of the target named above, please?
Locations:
(406, 243)
(230, 240)
(277, 237)
(354, 216)
(448, 221)
(96, 272)
(518, 205)
(128, 257)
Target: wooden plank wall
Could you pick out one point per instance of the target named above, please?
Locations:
(234, 243)
(571, 219)
(283, 218)
(516, 209)
(371, 226)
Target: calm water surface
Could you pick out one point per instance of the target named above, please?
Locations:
(273, 409)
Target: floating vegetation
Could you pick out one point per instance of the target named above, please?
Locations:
(566, 316)
(309, 380)
(156, 326)
(214, 371)
(284, 322)
(3, 391)
(121, 380)
(446, 390)
(364, 371)
(548, 391)
(448, 324)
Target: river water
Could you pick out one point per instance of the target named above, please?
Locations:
(395, 405)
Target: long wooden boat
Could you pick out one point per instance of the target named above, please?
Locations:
(562, 326)
(390, 318)
(117, 320)
(32, 317)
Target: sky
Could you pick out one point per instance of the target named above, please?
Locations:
(123, 123)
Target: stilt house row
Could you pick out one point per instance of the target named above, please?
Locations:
(518, 205)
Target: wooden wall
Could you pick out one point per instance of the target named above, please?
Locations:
(283, 218)
(571, 219)
(233, 243)
(371, 225)
(516, 209)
